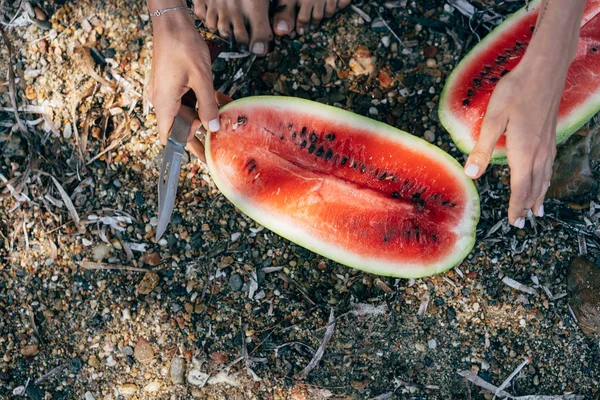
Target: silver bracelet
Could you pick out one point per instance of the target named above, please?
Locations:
(158, 13)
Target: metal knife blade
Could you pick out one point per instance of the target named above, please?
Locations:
(169, 173)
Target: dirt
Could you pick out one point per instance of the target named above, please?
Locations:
(229, 309)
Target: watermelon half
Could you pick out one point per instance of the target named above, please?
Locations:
(468, 90)
(349, 188)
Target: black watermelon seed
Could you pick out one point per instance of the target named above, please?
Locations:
(290, 125)
(416, 197)
(344, 160)
(435, 197)
(303, 133)
(281, 137)
(508, 51)
(354, 165)
(252, 168)
(477, 82)
(293, 135)
(252, 161)
(518, 44)
(311, 148)
(303, 144)
(506, 71)
(434, 237)
(395, 195)
(330, 137)
(383, 176)
(420, 205)
(466, 102)
(470, 92)
(313, 137)
(445, 202)
(451, 205)
(594, 49)
(417, 232)
(484, 73)
(363, 169)
(329, 154)
(532, 28)
(494, 79)
(487, 67)
(320, 151)
(241, 120)
(500, 60)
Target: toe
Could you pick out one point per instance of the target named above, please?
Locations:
(285, 15)
(212, 15)
(318, 12)
(224, 26)
(330, 8)
(260, 28)
(343, 3)
(239, 29)
(200, 9)
(304, 17)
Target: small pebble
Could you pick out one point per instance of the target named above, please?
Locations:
(235, 282)
(89, 396)
(432, 343)
(177, 370)
(128, 388)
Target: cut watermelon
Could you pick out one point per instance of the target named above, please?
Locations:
(349, 188)
(467, 93)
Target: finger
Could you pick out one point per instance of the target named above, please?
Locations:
(520, 187)
(212, 15)
(538, 206)
(202, 85)
(196, 147)
(166, 107)
(493, 126)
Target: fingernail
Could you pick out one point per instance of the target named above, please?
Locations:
(214, 125)
(520, 223)
(283, 26)
(540, 211)
(471, 170)
(258, 48)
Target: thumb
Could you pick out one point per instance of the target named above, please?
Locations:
(493, 126)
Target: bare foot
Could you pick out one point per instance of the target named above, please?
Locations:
(301, 14)
(246, 20)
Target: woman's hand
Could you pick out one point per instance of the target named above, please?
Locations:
(180, 62)
(524, 107)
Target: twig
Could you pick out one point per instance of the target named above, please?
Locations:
(12, 90)
(319, 353)
(65, 197)
(400, 42)
(510, 377)
(424, 304)
(519, 286)
(102, 266)
(384, 396)
(53, 372)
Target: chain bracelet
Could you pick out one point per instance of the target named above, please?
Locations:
(158, 13)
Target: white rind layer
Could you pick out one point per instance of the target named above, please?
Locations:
(465, 230)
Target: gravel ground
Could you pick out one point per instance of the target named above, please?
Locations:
(91, 307)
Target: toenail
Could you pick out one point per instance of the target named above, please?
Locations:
(283, 26)
(301, 31)
(258, 48)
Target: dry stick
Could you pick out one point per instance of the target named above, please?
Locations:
(102, 266)
(12, 90)
(400, 42)
(510, 377)
(53, 372)
(321, 350)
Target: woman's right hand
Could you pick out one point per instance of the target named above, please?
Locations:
(180, 62)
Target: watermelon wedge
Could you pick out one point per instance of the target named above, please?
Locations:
(467, 92)
(349, 188)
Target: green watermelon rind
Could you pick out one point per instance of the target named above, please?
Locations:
(297, 235)
(461, 135)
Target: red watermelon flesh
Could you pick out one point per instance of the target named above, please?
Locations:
(469, 88)
(355, 190)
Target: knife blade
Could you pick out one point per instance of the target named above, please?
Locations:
(169, 173)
